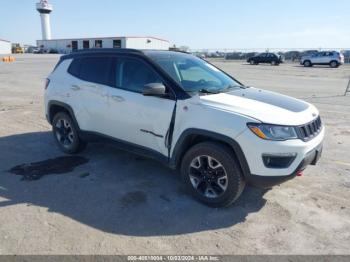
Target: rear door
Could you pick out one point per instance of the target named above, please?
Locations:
(323, 58)
(262, 58)
(89, 91)
(133, 117)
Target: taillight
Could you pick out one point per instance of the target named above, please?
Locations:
(47, 82)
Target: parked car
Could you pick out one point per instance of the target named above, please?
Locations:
(53, 51)
(331, 58)
(292, 55)
(270, 58)
(186, 113)
(39, 51)
(233, 56)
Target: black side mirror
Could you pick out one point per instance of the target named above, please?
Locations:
(154, 89)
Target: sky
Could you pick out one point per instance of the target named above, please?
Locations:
(198, 24)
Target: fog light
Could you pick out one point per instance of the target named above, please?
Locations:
(278, 160)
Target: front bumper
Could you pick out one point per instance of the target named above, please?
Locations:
(306, 153)
(269, 181)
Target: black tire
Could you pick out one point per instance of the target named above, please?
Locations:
(274, 63)
(66, 134)
(307, 63)
(252, 62)
(227, 171)
(333, 64)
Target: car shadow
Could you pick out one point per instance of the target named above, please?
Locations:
(110, 190)
(316, 66)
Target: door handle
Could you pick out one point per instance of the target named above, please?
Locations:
(118, 98)
(75, 87)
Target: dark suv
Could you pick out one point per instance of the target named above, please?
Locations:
(270, 58)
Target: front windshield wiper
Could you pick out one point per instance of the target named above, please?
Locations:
(230, 87)
(206, 91)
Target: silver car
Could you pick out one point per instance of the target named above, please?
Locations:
(331, 58)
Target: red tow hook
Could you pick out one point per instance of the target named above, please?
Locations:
(300, 173)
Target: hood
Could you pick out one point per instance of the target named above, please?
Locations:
(265, 106)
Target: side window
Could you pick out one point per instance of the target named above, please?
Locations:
(74, 67)
(263, 55)
(92, 69)
(133, 75)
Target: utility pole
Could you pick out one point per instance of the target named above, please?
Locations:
(347, 88)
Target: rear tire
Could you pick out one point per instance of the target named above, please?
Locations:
(212, 174)
(333, 64)
(66, 134)
(252, 62)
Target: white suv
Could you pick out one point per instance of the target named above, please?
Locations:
(186, 113)
(331, 58)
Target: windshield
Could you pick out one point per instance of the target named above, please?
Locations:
(194, 74)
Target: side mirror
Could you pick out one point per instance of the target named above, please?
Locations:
(154, 89)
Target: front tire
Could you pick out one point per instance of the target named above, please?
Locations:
(307, 63)
(212, 175)
(66, 135)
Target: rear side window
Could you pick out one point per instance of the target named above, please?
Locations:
(92, 69)
(74, 67)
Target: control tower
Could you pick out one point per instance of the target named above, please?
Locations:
(44, 8)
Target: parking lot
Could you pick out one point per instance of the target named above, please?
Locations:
(112, 202)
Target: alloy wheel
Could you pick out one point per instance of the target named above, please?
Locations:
(64, 133)
(208, 176)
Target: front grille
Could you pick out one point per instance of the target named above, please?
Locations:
(310, 130)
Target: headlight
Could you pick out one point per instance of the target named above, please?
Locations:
(273, 132)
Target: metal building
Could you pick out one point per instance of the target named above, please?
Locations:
(5, 47)
(65, 46)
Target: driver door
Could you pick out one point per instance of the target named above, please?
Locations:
(133, 117)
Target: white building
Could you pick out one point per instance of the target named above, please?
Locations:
(66, 46)
(5, 47)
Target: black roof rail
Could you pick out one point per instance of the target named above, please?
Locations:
(92, 51)
(107, 50)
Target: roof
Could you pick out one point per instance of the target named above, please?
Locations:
(92, 51)
(3, 40)
(111, 37)
(163, 53)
